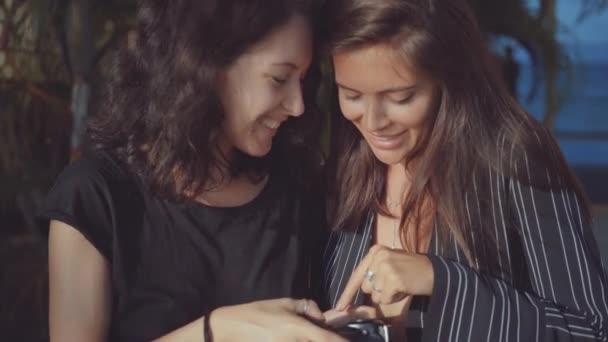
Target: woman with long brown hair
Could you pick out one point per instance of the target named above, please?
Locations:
(455, 214)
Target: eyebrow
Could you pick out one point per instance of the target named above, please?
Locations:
(385, 91)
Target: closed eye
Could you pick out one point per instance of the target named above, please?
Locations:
(404, 100)
(348, 95)
(278, 80)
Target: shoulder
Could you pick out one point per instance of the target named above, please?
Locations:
(97, 167)
(88, 195)
(97, 176)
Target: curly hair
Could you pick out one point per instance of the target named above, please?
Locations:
(161, 112)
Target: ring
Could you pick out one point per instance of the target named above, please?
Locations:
(369, 275)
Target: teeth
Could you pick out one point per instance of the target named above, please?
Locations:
(271, 123)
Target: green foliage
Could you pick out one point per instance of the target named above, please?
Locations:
(45, 45)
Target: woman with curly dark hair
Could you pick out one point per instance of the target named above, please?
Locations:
(195, 214)
(455, 215)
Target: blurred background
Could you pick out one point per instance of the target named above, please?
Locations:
(54, 55)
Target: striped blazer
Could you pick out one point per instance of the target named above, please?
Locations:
(551, 285)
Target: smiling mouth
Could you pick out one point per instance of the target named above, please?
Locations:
(271, 124)
(386, 142)
(386, 136)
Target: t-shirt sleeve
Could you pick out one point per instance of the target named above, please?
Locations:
(81, 198)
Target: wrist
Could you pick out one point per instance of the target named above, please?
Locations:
(428, 276)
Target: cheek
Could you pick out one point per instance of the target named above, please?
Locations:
(262, 99)
(414, 115)
(251, 106)
(351, 111)
(409, 118)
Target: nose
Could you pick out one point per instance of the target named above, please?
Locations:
(374, 118)
(294, 102)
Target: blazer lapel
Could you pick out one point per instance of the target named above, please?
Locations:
(349, 248)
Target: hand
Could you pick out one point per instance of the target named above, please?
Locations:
(335, 318)
(271, 320)
(389, 276)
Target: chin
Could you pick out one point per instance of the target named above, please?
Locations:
(260, 154)
(389, 157)
(258, 150)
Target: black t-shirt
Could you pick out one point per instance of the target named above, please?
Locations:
(171, 263)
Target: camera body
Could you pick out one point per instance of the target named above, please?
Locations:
(365, 331)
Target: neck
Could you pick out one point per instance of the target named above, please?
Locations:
(398, 181)
(224, 152)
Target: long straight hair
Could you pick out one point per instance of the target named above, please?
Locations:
(478, 131)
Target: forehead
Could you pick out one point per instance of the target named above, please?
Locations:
(289, 43)
(373, 68)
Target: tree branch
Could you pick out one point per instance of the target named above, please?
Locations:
(38, 92)
(108, 44)
(59, 29)
(21, 19)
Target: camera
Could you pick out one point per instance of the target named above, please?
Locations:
(365, 331)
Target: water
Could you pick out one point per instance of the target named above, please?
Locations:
(583, 114)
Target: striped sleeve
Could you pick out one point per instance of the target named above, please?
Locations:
(566, 299)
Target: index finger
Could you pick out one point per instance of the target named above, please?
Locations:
(355, 281)
(335, 318)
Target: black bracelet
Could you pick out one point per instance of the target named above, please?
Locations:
(208, 336)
